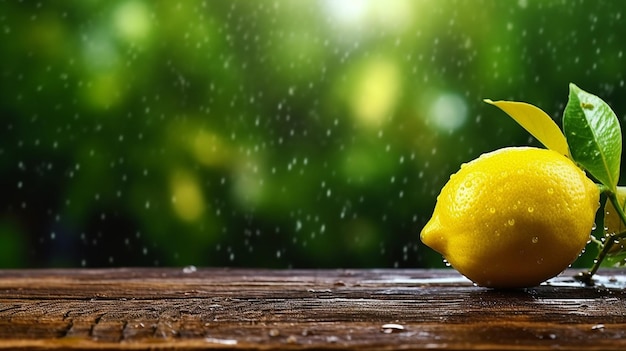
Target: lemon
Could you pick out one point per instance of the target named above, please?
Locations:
(514, 217)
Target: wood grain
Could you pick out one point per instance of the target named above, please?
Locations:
(143, 308)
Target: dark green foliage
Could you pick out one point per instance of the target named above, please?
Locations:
(267, 133)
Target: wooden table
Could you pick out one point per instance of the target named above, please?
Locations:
(303, 309)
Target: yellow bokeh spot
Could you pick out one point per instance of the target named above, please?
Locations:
(187, 200)
(131, 20)
(375, 92)
(209, 148)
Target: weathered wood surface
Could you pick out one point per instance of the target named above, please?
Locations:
(303, 309)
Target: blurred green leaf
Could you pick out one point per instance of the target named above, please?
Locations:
(618, 259)
(594, 136)
(613, 223)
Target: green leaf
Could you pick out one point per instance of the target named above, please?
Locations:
(536, 122)
(594, 136)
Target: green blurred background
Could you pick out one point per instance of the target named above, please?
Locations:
(268, 133)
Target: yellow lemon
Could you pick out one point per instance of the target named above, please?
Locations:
(513, 217)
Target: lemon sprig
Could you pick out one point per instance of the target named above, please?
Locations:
(592, 138)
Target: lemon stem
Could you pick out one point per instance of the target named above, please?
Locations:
(610, 239)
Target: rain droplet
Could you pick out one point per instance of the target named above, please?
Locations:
(535, 239)
(492, 210)
(274, 332)
(511, 222)
(392, 328)
(189, 269)
(531, 209)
